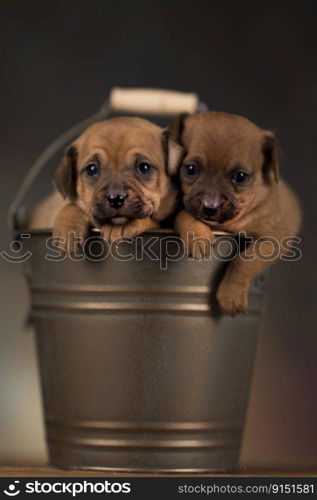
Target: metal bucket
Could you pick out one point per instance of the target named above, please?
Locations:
(139, 371)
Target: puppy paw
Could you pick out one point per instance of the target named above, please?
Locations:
(70, 230)
(113, 233)
(198, 240)
(232, 298)
(70, 239)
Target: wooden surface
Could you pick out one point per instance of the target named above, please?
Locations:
(53, 472)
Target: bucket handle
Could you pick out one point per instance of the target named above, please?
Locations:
(129, 100)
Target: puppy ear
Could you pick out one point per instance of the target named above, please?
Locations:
(271, 154)
(65, 175)
(173, 152)
(176, 127)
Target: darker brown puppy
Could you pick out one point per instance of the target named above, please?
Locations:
(230, 181)
(116, 176)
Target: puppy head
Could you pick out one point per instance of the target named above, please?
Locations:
(119, 170)
(228, 167)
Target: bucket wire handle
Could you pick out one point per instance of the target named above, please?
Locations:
(130, 100)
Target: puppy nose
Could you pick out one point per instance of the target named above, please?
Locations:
(210, 210)
(116, 200)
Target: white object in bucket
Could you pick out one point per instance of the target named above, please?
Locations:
(153, 101)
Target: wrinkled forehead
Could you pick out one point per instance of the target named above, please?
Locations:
(120, 144)
(222, 142)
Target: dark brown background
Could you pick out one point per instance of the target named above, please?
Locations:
(59, 61)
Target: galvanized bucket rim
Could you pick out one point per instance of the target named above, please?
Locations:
(95, 231)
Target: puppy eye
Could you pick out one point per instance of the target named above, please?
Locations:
(92, 169)
(239, 177)
(191, 170)
(144, 167)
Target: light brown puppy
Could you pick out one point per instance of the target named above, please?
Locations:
(230, 181)
(116, 176)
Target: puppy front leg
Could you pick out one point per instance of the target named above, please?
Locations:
(137, 226)
(232, 294)
(71, 227)
(197, 236)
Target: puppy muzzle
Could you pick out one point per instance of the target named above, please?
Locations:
(211, 212)
(119, 208)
